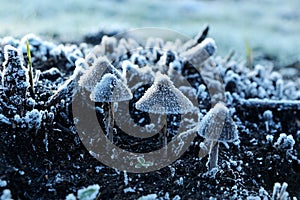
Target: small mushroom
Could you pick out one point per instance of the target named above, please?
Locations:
(200, 52)
(100, 67)
(163, 98)
(216, 126)
(110, 89)
(268, 117)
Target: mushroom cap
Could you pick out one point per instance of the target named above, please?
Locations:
(100, 67)
(217, 125)
(163, 98)
(110, 89)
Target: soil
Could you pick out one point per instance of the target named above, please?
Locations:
(50, 162)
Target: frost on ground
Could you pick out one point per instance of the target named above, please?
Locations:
(41, 147)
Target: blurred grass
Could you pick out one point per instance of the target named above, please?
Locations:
(270, 26)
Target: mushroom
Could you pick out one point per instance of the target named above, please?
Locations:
(200, 52)
(163, 98)
(216, 126)
(100, 66)
(268, 117)
(108, 90)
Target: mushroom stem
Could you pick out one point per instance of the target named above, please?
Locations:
(213, 155)
(165, 139)
(110, 121)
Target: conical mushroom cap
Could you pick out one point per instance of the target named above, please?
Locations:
(110, 89)
(217, 125)
(163, 98)
(100, 67)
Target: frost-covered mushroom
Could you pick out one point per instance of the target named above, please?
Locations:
(110, 89)
(164, 98)
(268, 117)
(200, 52)
(98, 69)
(216, 126)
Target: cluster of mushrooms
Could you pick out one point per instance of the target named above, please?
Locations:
(104, 83)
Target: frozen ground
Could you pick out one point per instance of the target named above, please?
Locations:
(272, 26)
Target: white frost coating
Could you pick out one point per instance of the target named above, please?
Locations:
(270, 138)
(189, 91)
(177, 197)
(89, 193)
(70, 197)
(163, 98)
(3, 183)
(129, 189)
(149, 127)
(279, 191)
(4, 119)
(179, 181)
(175, 65)
(285, 142)
(125, 178)
(110, 89)
(94, 74)
(6, 195)
(148, 197)
(217, 125)
(33, 119)
(90, 58)
(81, 63)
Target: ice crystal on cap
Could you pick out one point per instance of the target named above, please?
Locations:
(163, 98)
(94, 74)
(217, 125)
(110, 89)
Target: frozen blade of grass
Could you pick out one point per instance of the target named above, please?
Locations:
(203, 35)
(30, 74)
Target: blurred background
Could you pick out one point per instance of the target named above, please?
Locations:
(271, 28)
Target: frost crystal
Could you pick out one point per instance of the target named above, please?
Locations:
(14, 77)
(4, 120)
(217, 125)
(148, 197)
(279, 191)
(33, 119)
(70, 197)
(3, 183)
(110, 89)
(285, 142)
(89, 193)
(163, 98)
(6, 195)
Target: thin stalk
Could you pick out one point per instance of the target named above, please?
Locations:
(213, 155)
(110, 121)
(165, 132)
